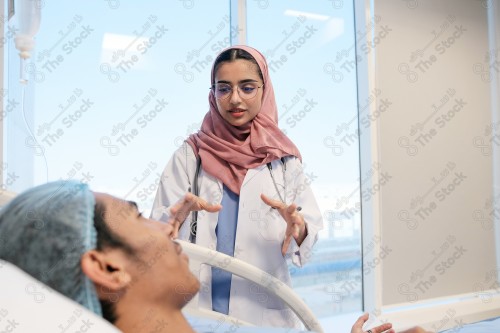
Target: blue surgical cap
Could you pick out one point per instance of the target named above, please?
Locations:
(46, 230)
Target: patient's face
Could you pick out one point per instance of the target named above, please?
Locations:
(157, 266)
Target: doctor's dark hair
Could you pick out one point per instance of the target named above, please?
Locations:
(107, 239)
(231, 55)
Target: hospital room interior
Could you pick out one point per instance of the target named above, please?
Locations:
(393, 104)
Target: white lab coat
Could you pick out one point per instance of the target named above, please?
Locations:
(259, 234)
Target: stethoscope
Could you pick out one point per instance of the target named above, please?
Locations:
(270, 167)
(283, 199)
(195, 189)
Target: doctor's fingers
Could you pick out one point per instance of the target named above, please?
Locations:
(282, 208)
(295, 230)
(286, 243)
(176, 226)
(293, 217)
(180, 212)
(192, 202)
(183, 207)
(291, 232)
(290, 213)
(203, 205)
(292, 209)
(384, 328)
(276, 204)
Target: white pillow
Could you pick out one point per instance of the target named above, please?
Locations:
(27, 305)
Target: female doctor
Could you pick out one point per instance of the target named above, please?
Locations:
(241, 179)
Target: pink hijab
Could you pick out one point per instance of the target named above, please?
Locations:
(227, 151)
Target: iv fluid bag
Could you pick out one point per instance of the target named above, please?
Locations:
(27, 22)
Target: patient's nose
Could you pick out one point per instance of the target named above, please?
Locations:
(168, 229)
(164, 227)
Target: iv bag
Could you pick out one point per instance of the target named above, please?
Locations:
(27, 15)
(27, 22)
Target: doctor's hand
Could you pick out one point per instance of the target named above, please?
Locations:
(182, 208)
(358, 326)
(295, 224)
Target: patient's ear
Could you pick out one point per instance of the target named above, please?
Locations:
(106, 270)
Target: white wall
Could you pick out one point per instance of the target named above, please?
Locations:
(433, 108)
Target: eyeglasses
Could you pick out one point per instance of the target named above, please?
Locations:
(246, 90)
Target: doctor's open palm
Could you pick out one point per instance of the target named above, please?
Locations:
(187, 204)
(295, 224)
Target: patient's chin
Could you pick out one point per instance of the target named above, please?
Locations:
(187, 290)
(195, 289)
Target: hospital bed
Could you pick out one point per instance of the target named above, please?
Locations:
(201, 255)
(31, 306)
(27, 305)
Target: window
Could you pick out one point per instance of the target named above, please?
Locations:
(110, 99)
(315, 84)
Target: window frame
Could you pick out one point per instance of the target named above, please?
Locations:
(468, 306)
(5, 195)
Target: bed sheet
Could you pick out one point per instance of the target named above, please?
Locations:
(485, 326)
(205, 325)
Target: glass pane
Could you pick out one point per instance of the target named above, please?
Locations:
(315, 85)
(114, 88)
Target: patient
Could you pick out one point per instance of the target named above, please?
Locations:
(101, 252)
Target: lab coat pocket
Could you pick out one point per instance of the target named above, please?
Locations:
(279, 318)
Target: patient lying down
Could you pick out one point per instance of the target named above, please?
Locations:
(101, 252)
